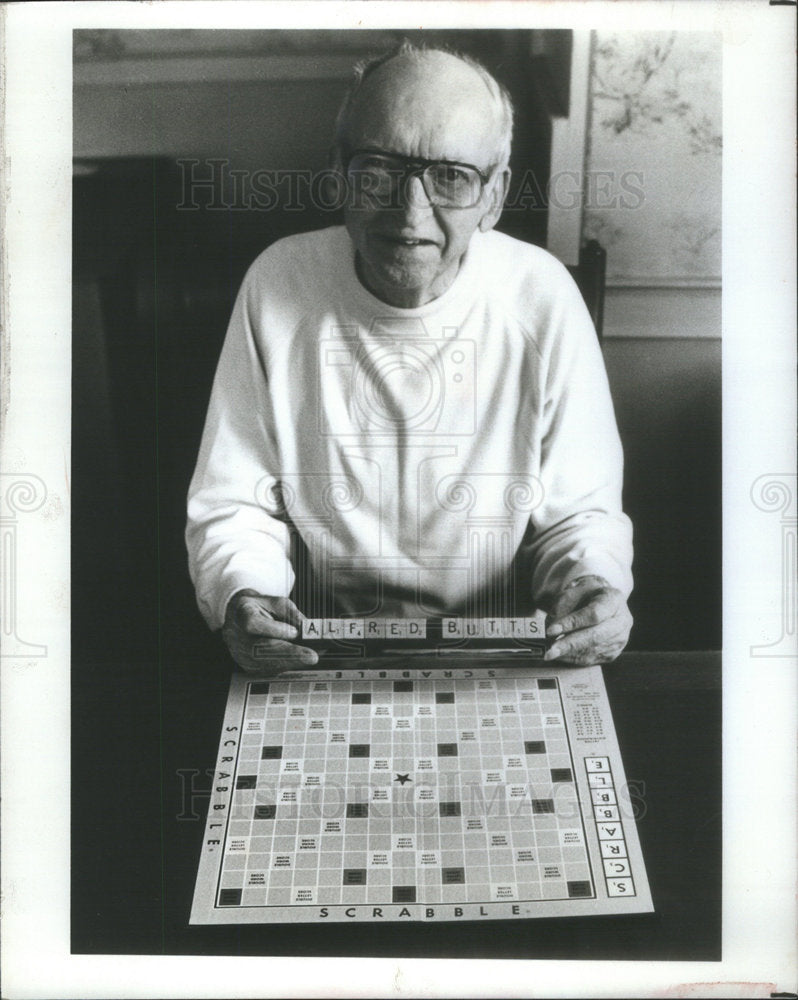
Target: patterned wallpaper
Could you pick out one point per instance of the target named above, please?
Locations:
(653, 192)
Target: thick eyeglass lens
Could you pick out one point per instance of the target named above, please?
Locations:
(445, 184)
(452, 185)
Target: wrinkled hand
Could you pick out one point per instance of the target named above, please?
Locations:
(259, 631)
(590, 621)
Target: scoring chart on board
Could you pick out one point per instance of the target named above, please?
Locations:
(486, 791)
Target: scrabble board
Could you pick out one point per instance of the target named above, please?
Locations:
(491, 789)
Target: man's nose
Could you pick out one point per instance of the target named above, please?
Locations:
(414, 197)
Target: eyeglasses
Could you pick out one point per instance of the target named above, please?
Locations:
(380, 177)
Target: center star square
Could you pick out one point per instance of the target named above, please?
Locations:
(402, 778)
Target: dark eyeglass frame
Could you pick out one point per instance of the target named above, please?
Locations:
(412, 165)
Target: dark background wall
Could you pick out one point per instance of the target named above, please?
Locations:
(667, 395)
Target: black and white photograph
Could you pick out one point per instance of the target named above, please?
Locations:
(412, 487)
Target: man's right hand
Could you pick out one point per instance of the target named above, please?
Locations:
(259, 631)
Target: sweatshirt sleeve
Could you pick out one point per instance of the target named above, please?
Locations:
(233, 543)
(579, 528)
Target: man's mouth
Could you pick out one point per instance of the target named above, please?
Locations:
(408, 241)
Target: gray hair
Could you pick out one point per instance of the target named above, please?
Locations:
(364, 69)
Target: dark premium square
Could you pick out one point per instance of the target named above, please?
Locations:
(561, 774)
(404, 894)
(271, 753)
(361, 698)
(534, 746)
(357, 810)
(444, 697)
(354, 876)
(403, 686)
(579, 890)
(229, 897)
(265, 812)
(447, 749)
(547, 683)
(449, 808)
(259, 687)
(359, 749)
(542, 806)
(246, 781)
(453, 876)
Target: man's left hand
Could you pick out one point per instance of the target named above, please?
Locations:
(590, 622)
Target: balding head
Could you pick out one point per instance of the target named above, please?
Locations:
(434, 98)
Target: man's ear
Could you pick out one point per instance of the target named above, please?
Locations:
(500, 185)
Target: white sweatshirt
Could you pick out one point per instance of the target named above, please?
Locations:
(458, 457)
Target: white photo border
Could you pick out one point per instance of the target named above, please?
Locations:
(759, 916)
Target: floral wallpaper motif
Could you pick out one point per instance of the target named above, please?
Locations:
(655, 140)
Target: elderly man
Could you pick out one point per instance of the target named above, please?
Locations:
(418, 398)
